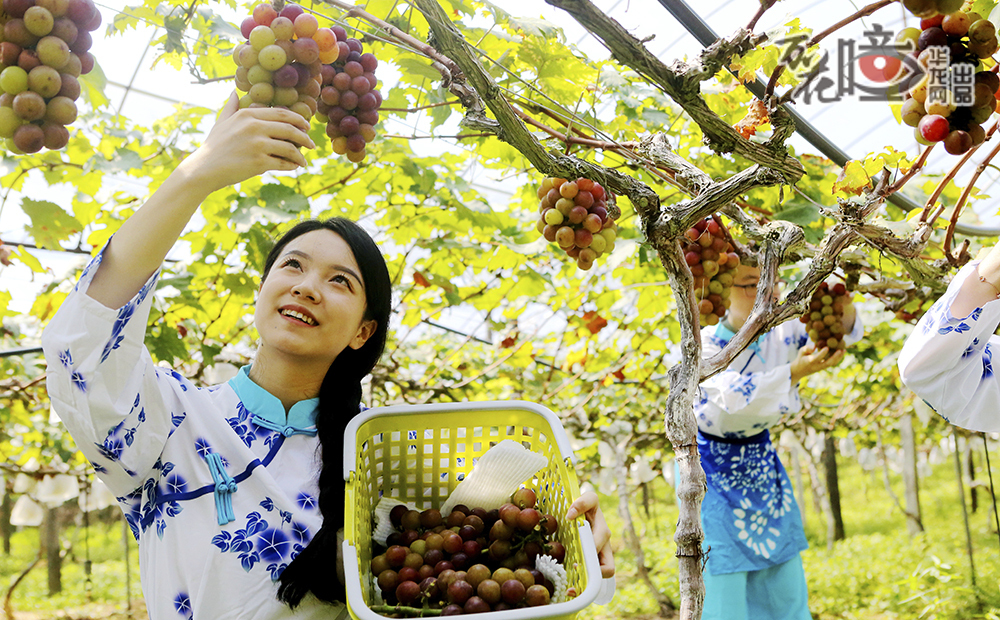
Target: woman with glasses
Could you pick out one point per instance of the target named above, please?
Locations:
(948, 358)
(751, 521)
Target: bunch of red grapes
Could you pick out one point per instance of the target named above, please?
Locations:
(349, 100)
(825, 319)
(966, 38)
(470, 560)
(574, 215)
(45, 49)
(713, 264)
(280, 63)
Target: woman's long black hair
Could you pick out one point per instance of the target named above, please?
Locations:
(315, 567)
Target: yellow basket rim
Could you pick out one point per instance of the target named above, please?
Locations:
(351, 432)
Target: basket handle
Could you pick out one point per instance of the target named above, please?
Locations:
(351, 432)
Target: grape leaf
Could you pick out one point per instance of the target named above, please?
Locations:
(283, 197)
(93, 84)
(22, 255)
(122, 160)
(852, 179)
(166, 344)
(50, 224)
(417, 67)
(532, 26)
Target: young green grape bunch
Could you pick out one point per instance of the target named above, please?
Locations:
(967, 39)
(825, 319)
(45, 50)
(350, 100)
(470, 560)
(574, 215)
(280, 63)
(713, 262)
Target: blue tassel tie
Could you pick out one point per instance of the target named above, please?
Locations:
(287, 431)
(225, 486)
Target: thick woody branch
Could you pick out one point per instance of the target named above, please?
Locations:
(907, 251)
(696, 182)
(780, 237)
(680, 217)
(657, 149)
(450, 42)
(681, 82)
(682, 433)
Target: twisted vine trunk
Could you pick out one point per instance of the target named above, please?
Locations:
(682, 431)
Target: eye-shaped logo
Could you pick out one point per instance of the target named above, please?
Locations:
(881, 68)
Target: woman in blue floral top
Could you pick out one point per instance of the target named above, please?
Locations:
(753, 529)
(235, 492)
(948, 358)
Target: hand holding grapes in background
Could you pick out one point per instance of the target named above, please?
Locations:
(247, 143)
(810, 361)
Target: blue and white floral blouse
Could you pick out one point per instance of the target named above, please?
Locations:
(749, 514)
(217, 484)
(948, 361)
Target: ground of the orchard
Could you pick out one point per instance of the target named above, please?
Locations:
(878, 572)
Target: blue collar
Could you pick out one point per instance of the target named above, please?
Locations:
(268, 412)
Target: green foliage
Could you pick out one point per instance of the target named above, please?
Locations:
(456, 249)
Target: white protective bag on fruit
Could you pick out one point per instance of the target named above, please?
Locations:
(497, 474)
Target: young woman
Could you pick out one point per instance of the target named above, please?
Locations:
(948, 358)
(752, 524)
(234, 492)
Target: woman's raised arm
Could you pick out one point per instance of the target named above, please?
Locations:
(242, 144)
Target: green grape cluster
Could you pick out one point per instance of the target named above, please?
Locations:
(280, 63)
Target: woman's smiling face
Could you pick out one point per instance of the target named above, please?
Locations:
(311, 304)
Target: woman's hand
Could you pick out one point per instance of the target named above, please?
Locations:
(810, 361)
(246, 143)
(587, 505)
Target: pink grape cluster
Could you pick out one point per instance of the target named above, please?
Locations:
(45, 49)
(713, 263)
(280, 63)
(825, 319)
(350, 100)
(574, 215)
